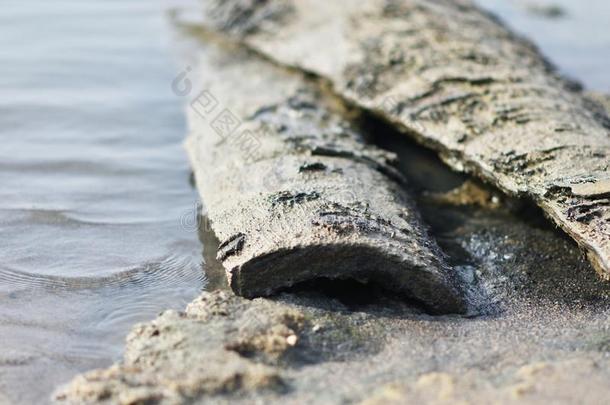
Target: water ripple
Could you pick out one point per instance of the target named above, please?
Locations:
(168, 271)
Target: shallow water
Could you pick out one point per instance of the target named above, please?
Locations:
(96, 209)
(577, 42)
(95, 202)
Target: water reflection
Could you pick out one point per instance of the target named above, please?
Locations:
(577, 40)
(93, 184)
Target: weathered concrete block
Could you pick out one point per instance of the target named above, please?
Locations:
(307, 198)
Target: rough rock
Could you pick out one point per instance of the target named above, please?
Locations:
(454, 78)
(294, 192)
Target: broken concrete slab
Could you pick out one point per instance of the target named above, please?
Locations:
(294, 192)
(454, 78)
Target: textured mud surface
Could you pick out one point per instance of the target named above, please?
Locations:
(455, 79)
(294, 193)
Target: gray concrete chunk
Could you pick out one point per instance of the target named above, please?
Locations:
(307, 197)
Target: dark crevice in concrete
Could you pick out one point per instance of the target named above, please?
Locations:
(426, 173)
(353, 295)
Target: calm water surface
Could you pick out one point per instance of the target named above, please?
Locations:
(578, 42)
(94, 186)
(95, 202)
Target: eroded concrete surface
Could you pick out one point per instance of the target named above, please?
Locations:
(453, 77)
(296, 187)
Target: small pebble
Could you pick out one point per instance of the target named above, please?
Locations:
(292, 340)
